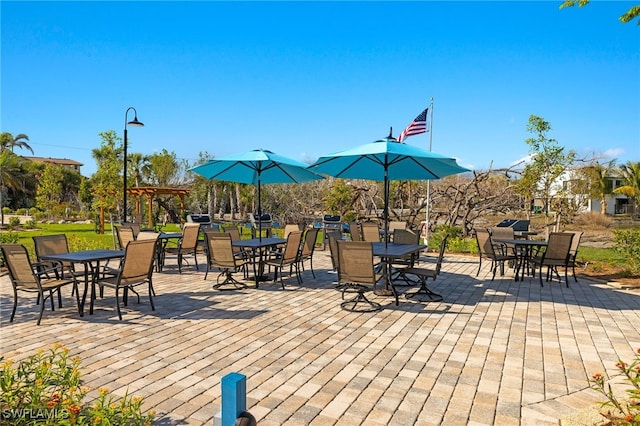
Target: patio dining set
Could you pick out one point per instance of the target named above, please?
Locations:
(363, 258)
(374, 254)
(142, 253)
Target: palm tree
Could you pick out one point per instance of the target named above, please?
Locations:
(600, 184)
(631, 175)
(10, 165)
(8, 141)
(139, 163)
(11, 175)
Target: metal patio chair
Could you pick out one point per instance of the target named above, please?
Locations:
(136, 268)
(356, 272)
(29, 277)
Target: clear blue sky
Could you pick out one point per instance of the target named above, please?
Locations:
(305, 79)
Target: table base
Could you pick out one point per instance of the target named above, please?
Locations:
(433, 297)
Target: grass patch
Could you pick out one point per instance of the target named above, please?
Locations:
(80, 236)
(602, 255)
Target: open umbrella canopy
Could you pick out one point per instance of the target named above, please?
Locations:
(387, 159)
(255, 168)
(384, 160)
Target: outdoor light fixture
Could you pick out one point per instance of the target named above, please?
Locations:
(135, 123)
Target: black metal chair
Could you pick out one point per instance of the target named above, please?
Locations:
(220, 254)
(356, 272)
(29, 277)
(290, 257)
(496, 252)
(136, 268)
(424, 274)
(557, 253)
(308, 248)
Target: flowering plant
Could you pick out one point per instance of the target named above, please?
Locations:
(627, 411)
(46, 389)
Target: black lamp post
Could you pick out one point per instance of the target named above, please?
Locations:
(135, 123)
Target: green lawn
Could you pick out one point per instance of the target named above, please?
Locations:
(81, 236)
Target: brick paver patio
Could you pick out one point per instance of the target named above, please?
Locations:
(500, 352)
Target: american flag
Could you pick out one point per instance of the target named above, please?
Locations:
(417, 126)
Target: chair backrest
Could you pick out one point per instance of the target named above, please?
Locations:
(443, 247)
(125, 236)
(220, 249)
(289, 227)
(396, 224)
(233, 231)
(190, 233)
(20, 271)
(575, 243)
(334, 237)
(354, 230)
(135, 227)
(404, 236)
(137, 264)
(370, 232)
(483, 238)
(309, 245)
(208, 234)
(146, 235)
(502, 232)
(356, 262)
(558, 247)
(292, 247)
(50, 244)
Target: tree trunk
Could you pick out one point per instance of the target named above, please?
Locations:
(1, 211)
(101, 220)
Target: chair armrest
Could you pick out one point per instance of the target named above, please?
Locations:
(38, 267)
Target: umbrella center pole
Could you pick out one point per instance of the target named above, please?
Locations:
(259, 210)
(385, 212)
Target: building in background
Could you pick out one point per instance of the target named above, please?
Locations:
(64, 162)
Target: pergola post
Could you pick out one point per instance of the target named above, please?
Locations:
(151, 192)
(181, 207)
(149, 211)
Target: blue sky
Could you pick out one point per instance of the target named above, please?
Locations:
(305, 79)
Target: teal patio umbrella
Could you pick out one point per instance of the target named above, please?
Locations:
(385, 160)
(255, 168)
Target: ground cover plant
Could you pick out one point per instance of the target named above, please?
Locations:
(625, 411)
(46, 388)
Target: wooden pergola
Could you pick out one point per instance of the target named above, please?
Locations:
(151, 192)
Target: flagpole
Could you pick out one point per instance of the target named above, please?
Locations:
(430, 128)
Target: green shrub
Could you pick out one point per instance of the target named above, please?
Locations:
(46, 389)
(14, 222)
(7, 238)
(30, 224)
(455, 234)
(6, 210)
(462, 245)
(627, 243)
